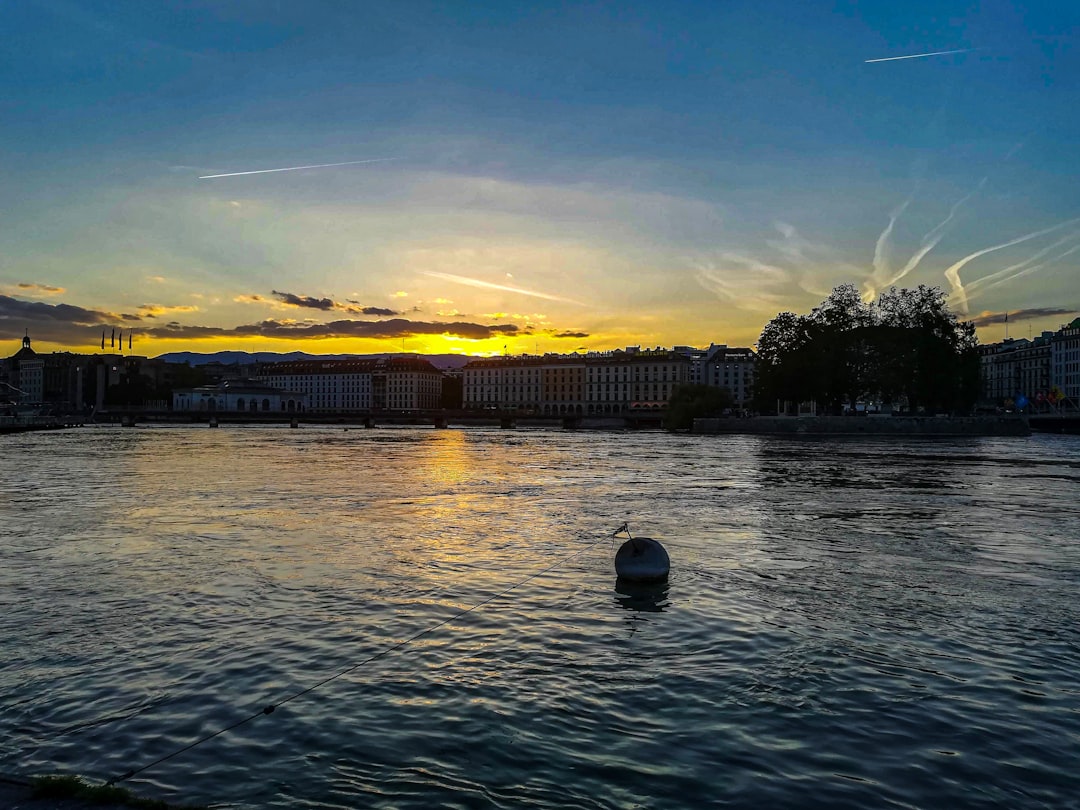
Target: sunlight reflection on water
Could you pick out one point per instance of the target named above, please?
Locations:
(847, 623)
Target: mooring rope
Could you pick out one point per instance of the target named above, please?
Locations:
(269, 709)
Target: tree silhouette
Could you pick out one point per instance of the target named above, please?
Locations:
(906, 348)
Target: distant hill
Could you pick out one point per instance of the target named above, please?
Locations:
(440, 361)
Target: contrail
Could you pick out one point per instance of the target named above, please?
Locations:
(487, 285)
(952, 273)
(297, 168)
(919, 55)
(1027, 270)
(1020, 268)
(881, 261)
(933, 236)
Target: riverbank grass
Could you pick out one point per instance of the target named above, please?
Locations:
(72, 787)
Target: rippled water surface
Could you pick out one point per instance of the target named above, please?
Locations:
(849, 623)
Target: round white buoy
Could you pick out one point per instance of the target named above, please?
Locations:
(642, 559)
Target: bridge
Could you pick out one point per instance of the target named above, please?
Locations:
(439, 418)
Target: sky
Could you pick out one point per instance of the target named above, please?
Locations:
(526, 177)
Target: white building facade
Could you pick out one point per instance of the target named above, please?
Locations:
(1065, 362)
(238, 397)
(359, 385)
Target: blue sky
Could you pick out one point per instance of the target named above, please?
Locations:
(564, 175)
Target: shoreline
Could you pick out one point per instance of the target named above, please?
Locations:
(906, 426)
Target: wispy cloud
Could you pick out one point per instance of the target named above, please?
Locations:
(39, 289)
(808, 258)
(744, 282)
(154, 310)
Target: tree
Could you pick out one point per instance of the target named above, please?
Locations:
(690, 402)
(906, 346)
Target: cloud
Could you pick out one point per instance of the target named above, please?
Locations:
(325, 304)
(570, 334)
(987, 318)
(400, 294)
(40, 289)
(744, 282)
(76, 326)
(381, 311)
(12, 309)
(328, 304)
(248, 299)
(157, 279)
(153, 310)
(394, 328)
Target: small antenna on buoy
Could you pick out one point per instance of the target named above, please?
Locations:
(625, 528)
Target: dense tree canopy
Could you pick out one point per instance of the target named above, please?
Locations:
(907, 348)
(690, 402)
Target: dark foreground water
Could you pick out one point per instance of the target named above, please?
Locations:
(849, 623)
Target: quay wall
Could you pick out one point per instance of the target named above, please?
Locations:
(868, 426)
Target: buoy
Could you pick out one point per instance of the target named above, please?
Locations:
(641, 559)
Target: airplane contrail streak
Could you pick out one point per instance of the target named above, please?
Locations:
(918, 55)
(933, 236)
(1018, 269)
(487, 285)
(1028, 270)
(952, 273)
(296, 168)
(881, 259)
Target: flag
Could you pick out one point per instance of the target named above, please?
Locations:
(1006, 317)
(112, 340)
(129, 340)
(103, 340)
(121, 341)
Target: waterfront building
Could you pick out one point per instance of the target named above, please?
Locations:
(562, 386)
(1044, 370)
(406, 384)
(731, 368)
(238, 396)
(1065, 362)
(597, 383)
(25, 373)
(360, 384)
(505, 383)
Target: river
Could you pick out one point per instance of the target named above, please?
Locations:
(848, 623)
